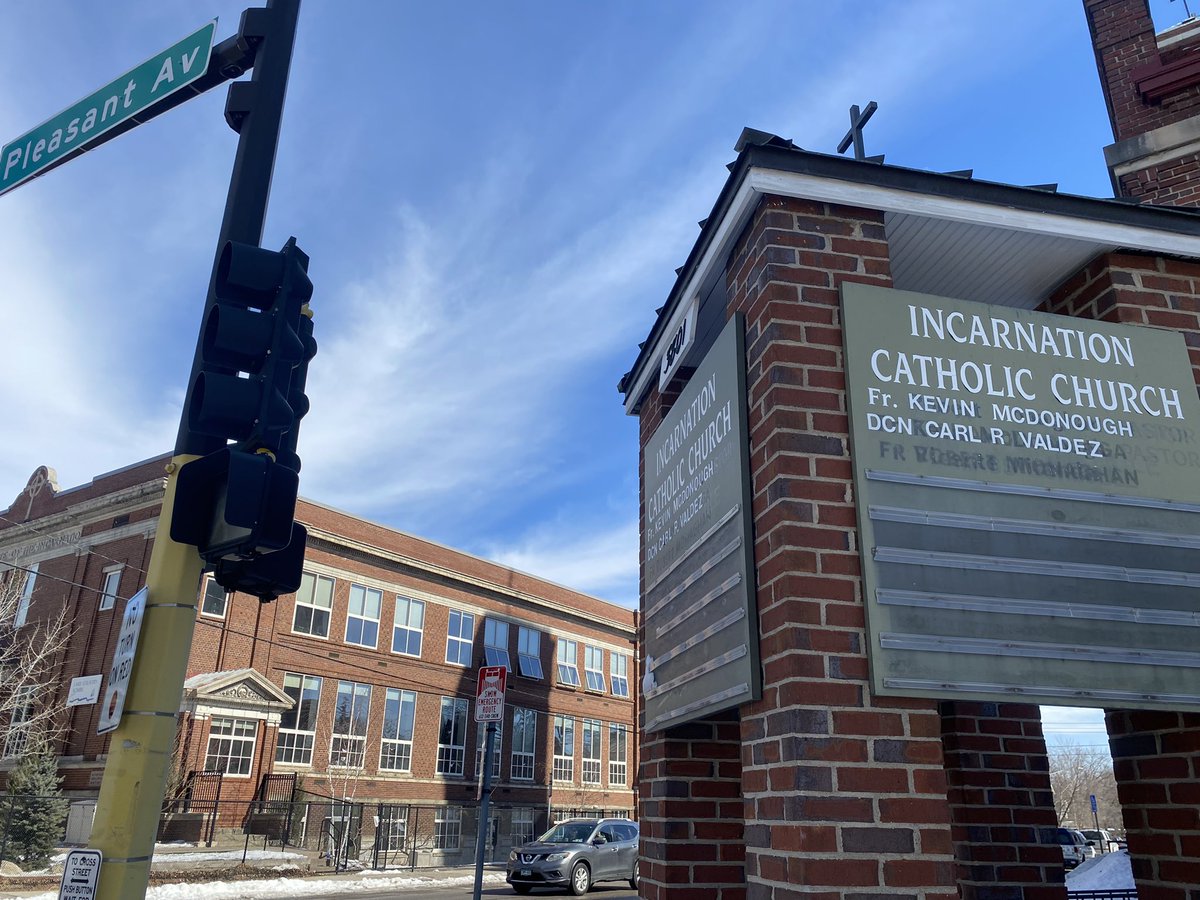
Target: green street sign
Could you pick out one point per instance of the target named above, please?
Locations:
(118, 101)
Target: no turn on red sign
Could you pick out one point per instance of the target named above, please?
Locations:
(489, 694)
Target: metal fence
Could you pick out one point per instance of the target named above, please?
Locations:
(1130, 894)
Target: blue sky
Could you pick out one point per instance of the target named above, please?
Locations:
(495, 197)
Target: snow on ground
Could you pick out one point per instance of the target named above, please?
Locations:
(1110, 871)
(298, 887)
(226, 855)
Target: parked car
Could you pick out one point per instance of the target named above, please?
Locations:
(575, 854)
(1074, 847)
(1101, 839)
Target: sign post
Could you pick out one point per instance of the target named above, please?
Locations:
(1096, 824)
(489, 708)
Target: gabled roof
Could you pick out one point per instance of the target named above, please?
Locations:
(245, 688)
(950, 234)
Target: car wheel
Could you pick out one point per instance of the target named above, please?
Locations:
(581, 879)
(634, 879)
(522, 888)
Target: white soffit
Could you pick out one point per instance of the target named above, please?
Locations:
(949, 246)
(981, 263)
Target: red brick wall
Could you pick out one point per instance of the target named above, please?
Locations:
(843, 790)
(1124, 40)
(691, 812)
(1156, 754)
(1001, 804)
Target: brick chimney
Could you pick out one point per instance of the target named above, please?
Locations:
(1151, 86)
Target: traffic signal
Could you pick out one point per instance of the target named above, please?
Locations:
(256, 342)
(236, 505)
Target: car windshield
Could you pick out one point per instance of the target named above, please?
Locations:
(1065, 837)
(569, 833)
(1092, 835)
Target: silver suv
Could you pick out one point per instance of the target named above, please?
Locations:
(576, 853)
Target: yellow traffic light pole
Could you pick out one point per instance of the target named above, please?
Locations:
(140, 749)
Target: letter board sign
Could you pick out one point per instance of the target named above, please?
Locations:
(1028, 494)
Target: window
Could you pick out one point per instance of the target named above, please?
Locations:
(392, 831)
(399, 709)
(231, 746)
(26, 596)
(495, 643)
(524, 744)
(564, 748)
(460, 637)
(112, 584)
(350, 724)
(568, 663)
(298, 725)
(409, 627)
(591, 751)
(362, 616)
(18, 726)
(214, 600)
(447, 828)
(529, 652)
(452, 737)
(619, 669)
(522, 826)
(497, 742)
(618, 746)
(593, 667)
(314, 600)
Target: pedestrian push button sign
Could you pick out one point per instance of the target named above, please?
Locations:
(489, 695)
(81, 875)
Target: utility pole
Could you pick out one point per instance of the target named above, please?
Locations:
(141, 747)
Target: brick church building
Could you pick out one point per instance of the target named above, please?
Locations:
(359, 688)
(922, 572)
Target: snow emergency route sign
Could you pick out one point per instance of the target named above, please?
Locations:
(489, 695)
(81, 874)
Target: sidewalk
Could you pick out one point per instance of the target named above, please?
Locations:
(213, 874)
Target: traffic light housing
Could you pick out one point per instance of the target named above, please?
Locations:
(236, 505)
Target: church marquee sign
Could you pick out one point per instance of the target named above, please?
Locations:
(701, 651)
(1028, 493)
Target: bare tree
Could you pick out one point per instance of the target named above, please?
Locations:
(32, 641)
(1076, 773)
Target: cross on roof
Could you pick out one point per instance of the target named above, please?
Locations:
(858, 120)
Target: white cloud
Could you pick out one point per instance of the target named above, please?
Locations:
(600, 561)
(1064, 724)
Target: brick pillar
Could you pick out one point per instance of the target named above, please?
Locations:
(1123, 38)
(1156, 758)
(845, 796)
(1153, 100)
(1000, 802)
(1156, 755)
(689, 777)
(690, 790)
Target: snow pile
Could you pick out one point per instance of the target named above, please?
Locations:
(1108, 872)
(298, 887)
